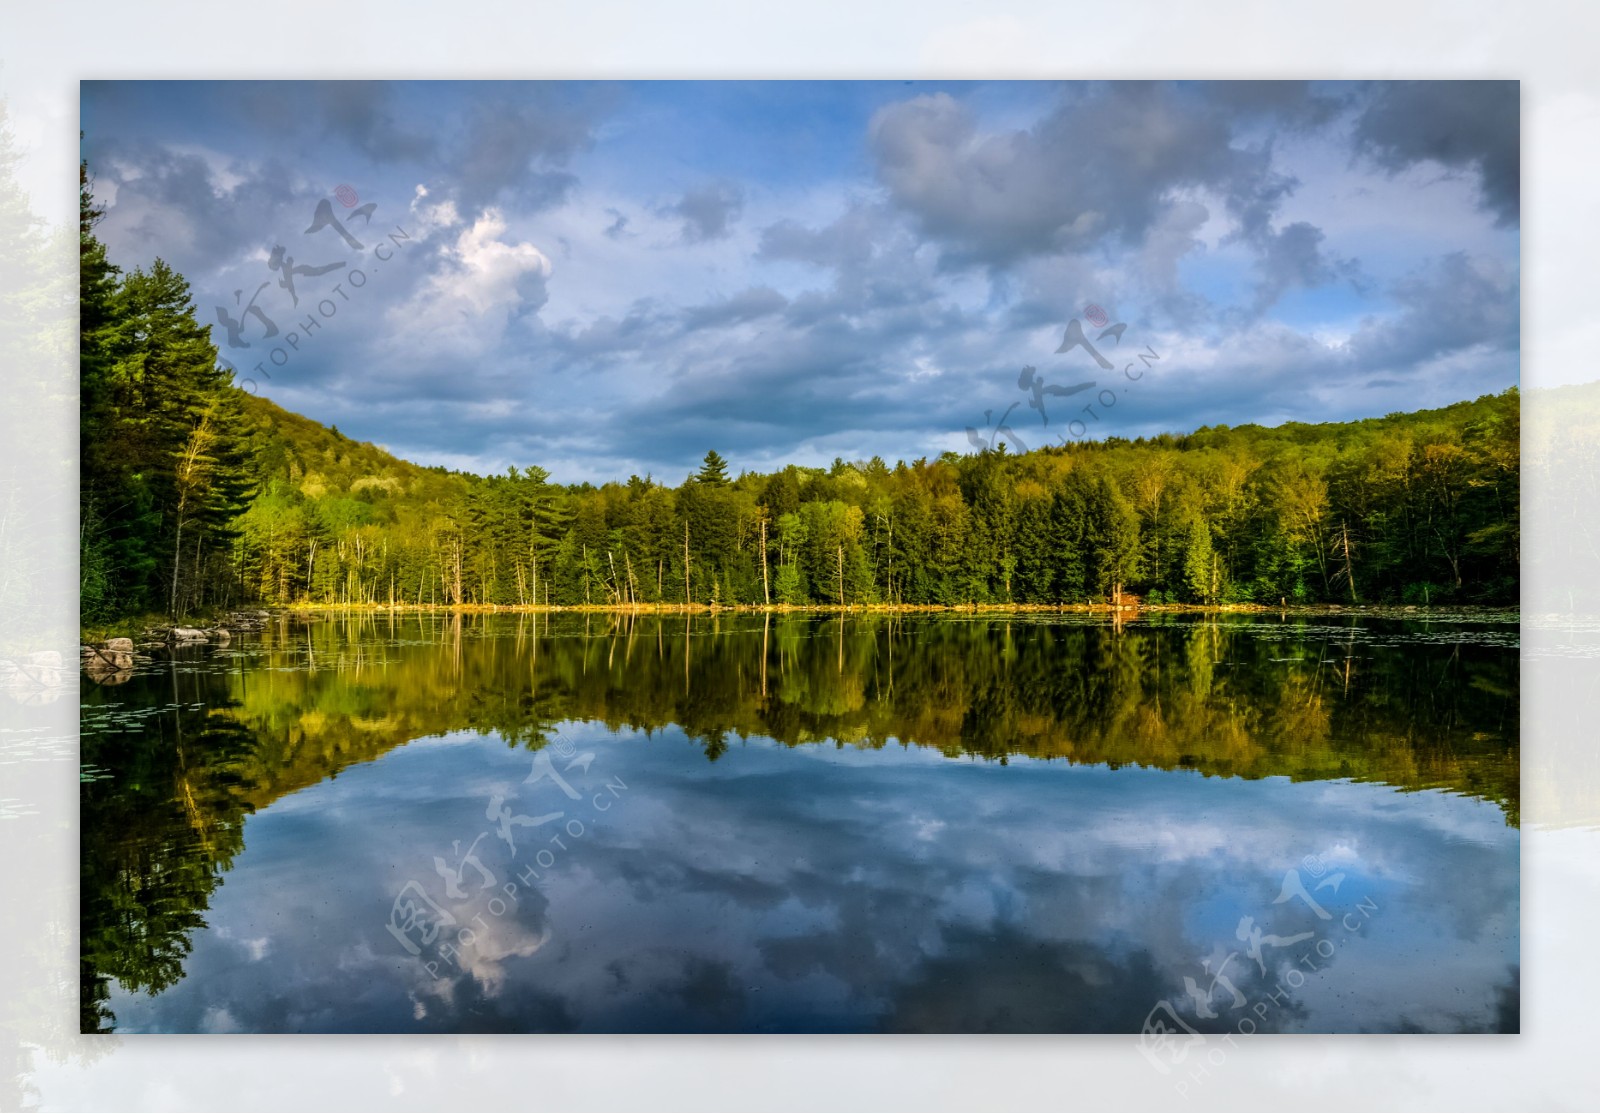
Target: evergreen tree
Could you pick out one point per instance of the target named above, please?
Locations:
(164, 457)
(714, 472)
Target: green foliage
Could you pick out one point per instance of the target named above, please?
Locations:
(1199, 564)
(714, 471)
(1247, 514)
(196, 494)
(165, 468)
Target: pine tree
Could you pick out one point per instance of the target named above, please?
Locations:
(714, 472)
(106, 494)
(165, 462)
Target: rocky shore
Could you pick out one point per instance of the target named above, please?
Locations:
(111, 662)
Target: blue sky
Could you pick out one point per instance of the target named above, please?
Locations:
(610, 278)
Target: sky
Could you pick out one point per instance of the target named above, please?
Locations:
(1034, 895)
(608, 279)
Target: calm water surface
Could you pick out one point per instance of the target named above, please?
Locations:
(808, 823)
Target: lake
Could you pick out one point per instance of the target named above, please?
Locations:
(1172, 826)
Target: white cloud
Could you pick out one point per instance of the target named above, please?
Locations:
(485, 281)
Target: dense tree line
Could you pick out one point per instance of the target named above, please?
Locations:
(195, 493)
(1418, 508)
(164, 467)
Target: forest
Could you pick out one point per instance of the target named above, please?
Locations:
(197, 495)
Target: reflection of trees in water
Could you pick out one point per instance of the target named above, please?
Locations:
(164, 819)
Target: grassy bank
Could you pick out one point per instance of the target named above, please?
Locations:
(1126, 611)
(134, 626)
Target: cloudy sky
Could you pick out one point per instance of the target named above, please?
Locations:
(606, 279)
(1035, 896)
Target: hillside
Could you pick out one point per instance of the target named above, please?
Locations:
(196, 495)
(1412, 508)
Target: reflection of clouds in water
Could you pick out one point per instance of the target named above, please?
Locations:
(768, 892)
(503, 939)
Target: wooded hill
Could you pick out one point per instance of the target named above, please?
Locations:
(198, 495)
(1412, 508)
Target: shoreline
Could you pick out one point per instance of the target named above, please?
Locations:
(141, 628)
(1509, 612)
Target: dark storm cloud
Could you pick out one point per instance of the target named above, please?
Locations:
(1097, 169)
(1106, 170)
(189, 210)
(1295, 104)
(1455, 303)
(1295, 258)
(708, 212)
(1464, 125)
(517, 144)
(362, 114)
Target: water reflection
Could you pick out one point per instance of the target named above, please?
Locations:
(882, 837)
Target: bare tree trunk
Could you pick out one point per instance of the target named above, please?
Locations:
(766, 594)
(177, 559)
(1349, 566)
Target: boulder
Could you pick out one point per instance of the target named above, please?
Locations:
(108, 667)
(186, 634)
